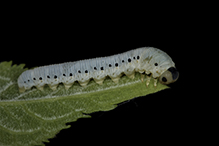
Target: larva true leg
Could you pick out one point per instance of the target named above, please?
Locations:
(142, 77)
(148, 78)
(155, 82)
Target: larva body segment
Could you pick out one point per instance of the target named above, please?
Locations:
(146, 59)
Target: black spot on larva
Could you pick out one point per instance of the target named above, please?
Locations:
(123, 61)
(48, 76)
(55, 77)
(86, 71)
(34, 78)
(79, 71)
(138, 57)
(116, 64)
(155, 64)
(129, 60)
(164, 79)
(101, 68)
(95, 68)
(28, 80)
(174, 72)
(40, 78)
(63, 74)
(133, 57)
(70, 74)
(110, 65)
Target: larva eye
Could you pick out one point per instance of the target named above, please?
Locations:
(110, 65)
(86, 71)
(133, 57)
(129, 60)
(40, 78)
(156, 64)
(70, 74)
(79, 71)
(95, 68)
(123, 61)
(169, 76)
(138, 57)
(34, 78)
(116, 64)
(55, 77)
(63, 74)
(48, 76)
(164, 79)
(101, 68)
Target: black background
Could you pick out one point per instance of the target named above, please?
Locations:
(38, 39)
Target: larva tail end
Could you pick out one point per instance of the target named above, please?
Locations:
(21, 90)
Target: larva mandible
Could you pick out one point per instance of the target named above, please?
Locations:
(147, 60)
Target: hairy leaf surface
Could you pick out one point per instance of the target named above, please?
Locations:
(32, 117)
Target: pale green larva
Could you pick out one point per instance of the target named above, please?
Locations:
(147, 60)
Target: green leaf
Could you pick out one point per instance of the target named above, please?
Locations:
(32, 117)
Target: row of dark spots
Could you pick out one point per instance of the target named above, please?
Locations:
(55, 77)
(116, 64)
(40, 78)
(110, 65)
(86, 71)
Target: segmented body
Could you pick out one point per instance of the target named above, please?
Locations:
(145, 59)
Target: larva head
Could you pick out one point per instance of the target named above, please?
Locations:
(169, 76)
(160, 65)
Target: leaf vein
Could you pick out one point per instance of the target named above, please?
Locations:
(48, 118)
(21, 95)
(4, 78)
(6, 86)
